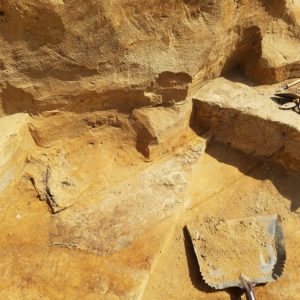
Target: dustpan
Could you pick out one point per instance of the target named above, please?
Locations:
(239, 252)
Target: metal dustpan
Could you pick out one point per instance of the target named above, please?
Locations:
(239, 252)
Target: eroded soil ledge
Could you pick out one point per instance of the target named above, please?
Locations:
(121, 121)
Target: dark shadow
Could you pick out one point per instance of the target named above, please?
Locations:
(279, 100)
(237, 75)
(239, 65)
(281, 252)
(227, 155)
(235, 293)
(286, 182)
(194, 268)
(125, 100)
(169, 79)
(195, 274)
(16, 100)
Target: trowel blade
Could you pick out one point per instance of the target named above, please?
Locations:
(287, 95)
(252, 247)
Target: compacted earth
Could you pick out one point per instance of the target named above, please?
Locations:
(124, 122)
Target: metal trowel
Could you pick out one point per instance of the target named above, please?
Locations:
(239, 252)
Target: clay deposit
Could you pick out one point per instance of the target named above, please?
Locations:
(124, 121)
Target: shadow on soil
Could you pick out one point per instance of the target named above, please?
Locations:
(286, 182)
(195, 274)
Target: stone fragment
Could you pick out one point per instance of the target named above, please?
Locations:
(247, 119)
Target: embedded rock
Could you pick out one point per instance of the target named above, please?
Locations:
(112, 221)
(161, 128)
(280, 59)
(248, 119)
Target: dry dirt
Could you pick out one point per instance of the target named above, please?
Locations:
(228, 184)
(121, 123)
(229, 249)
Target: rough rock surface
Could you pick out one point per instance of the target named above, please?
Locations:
(91, 55)
(113, 220)
(248, 119)
(99, 168)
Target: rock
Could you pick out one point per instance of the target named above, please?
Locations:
(61, 55)
(160, 128)
(279, 59)
(247, 119)
(114, 219)
(128, 225)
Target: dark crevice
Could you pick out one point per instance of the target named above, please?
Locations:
(246, 54)
(169, 79)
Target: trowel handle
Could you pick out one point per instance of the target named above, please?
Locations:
(250, 293)
(248, 288)
(286, 86)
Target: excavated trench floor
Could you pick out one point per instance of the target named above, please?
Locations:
(227, 183)
(224, 183)
(117, 232)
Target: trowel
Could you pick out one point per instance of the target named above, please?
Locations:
(286, 86)
(239, 252)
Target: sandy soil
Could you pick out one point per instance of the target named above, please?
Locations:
(224, 183)
(227, 249)
(232, 185)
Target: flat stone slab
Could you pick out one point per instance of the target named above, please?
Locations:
(254, 101)
(111, 221)
(247, 118)
(129, 224)
(280, 51)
